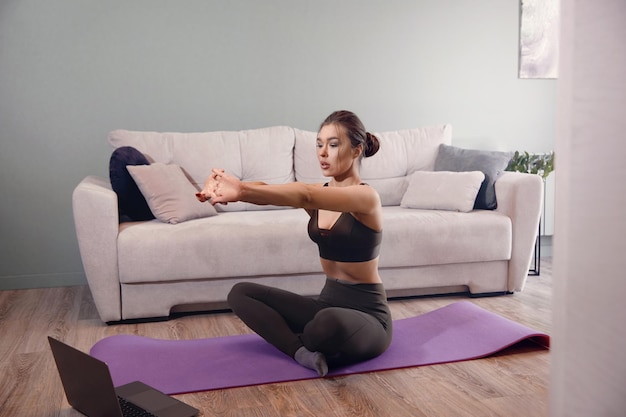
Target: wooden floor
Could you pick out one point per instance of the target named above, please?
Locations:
(513, 383)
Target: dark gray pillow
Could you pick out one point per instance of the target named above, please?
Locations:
(131, 204)
(491, 163)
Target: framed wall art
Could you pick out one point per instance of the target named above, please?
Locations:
(539, 39)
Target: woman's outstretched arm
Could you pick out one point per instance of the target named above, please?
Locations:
(224, 188)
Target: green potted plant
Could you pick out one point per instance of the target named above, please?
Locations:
(538, 163)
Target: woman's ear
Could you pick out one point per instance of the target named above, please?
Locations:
(357, 151)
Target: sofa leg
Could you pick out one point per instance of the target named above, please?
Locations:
(172, 316)
(141, 320)
(490, 294)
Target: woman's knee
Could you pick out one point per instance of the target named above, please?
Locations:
(240, 291)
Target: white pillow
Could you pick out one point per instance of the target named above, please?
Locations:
(442, 190)
(169, 193)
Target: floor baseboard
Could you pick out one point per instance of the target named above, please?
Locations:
(22, 282)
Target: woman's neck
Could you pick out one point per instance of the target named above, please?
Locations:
(345, 182)
(351, 177)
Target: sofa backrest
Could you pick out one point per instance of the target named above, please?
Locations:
(264, 154)
(401, 153)
(282, 154)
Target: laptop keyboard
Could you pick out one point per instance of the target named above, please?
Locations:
(131, 410)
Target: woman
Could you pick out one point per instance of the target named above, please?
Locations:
(350, 320)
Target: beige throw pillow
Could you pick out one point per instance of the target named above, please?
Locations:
(442, 190)
(169, 193)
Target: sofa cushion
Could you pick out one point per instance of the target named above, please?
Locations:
(443, 190)
(276, 243)
(264, 154)
(169, 193)
(231, 244)
(390, 190)
(491, 163)
(414, 237)
(401, 153)
(305, 162)
(132, 205)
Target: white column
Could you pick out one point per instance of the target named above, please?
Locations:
(589, 323)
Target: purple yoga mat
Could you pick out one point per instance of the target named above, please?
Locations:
(459, 331)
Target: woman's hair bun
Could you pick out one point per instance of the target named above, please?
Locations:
(372, 144)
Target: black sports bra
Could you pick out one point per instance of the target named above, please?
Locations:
(348, 240)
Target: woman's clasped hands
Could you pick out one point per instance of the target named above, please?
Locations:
(219, 187)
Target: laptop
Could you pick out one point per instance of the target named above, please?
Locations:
(89, 388)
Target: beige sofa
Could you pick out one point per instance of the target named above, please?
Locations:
(152, 268)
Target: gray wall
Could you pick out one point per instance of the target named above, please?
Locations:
(72, 70)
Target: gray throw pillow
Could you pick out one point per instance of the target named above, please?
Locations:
(491, 163)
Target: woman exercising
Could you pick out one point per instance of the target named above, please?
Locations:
(350, 321)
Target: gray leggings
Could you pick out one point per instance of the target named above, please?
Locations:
(348, 322)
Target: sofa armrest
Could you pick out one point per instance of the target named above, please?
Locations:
(94, 205)
(520, 197)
